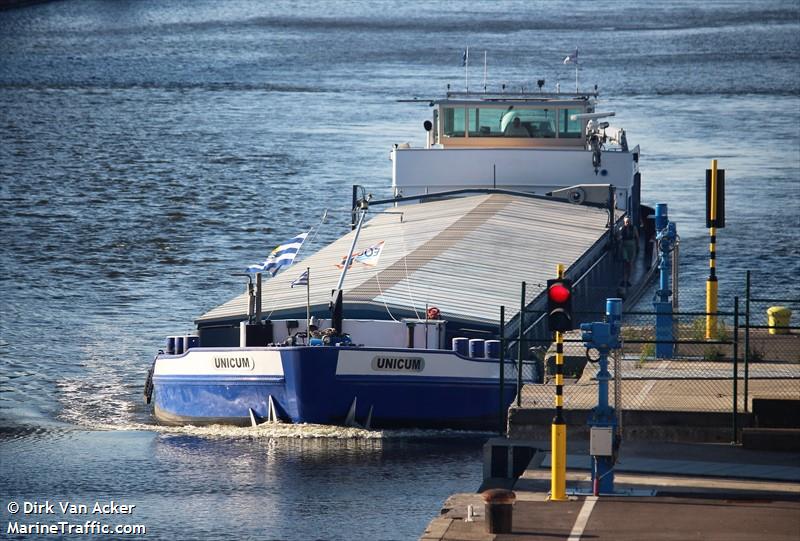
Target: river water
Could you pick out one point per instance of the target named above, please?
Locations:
(148, 150)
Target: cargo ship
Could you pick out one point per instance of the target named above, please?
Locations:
(397, 323)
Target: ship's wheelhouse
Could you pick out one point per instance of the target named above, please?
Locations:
(510, 123)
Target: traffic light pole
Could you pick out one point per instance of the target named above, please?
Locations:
(558, 443)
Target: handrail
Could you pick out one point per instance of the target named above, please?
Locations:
(439, 195)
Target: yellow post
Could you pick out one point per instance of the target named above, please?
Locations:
(711, 283)
(558, 440)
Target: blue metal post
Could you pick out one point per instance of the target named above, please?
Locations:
(604, 336)
(662, 221)
(666, 236)
(614, 315)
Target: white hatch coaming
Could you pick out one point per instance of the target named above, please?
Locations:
(422, 333)
(417, 171)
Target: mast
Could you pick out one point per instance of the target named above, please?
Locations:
(336, 295)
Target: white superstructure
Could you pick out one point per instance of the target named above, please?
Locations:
(534, 143)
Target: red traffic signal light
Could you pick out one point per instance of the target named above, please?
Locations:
(558, 293)
(559, 305)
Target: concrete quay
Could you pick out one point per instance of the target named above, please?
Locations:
(677, 475)
(663, 491)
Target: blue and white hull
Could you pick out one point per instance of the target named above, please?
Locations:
(311, 384)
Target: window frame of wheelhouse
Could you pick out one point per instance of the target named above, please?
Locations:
(461, 121)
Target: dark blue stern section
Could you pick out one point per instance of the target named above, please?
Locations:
(204, 399)
(315, 394)
(311, 392)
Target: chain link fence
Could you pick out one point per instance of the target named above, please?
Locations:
(716, 362)
(686, 373)
(771, 347)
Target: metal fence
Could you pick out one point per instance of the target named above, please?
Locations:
(698, 375)
(770, 349)
(751, 355)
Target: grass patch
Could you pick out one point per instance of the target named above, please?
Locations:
(713, 353)
(698, 330)
(648, 354)
(755, 356)
(636, 333)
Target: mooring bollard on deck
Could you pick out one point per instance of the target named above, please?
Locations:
(499, 509)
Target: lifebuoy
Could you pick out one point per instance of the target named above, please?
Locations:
(433, 313)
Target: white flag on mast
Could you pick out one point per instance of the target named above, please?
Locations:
(573, 58)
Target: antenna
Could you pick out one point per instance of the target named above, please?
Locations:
(466, 68)
(484, 71)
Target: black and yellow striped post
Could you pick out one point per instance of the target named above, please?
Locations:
(558, 439)
(711, 283)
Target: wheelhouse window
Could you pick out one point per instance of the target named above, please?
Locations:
(485, 122)
(510, 122)
(454, 121)
(538, 123)
(567, 128)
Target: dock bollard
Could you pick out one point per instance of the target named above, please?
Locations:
(499, 509)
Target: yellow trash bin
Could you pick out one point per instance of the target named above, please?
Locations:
(778, 316)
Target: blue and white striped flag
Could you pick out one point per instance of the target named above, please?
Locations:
(280, 257)
(301, 280)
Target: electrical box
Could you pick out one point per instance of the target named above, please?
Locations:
(601, 441)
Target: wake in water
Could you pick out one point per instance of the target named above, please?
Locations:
(298, 431)
(96, 405)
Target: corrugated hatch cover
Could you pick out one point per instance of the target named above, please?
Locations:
(466, 256)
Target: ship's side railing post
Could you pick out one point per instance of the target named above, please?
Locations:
(502, 362)
(520, 344)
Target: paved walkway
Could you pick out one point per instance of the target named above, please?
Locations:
(670, 492)
(706, 460)
(672, 385)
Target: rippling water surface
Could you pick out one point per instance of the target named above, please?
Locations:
(149, 149)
